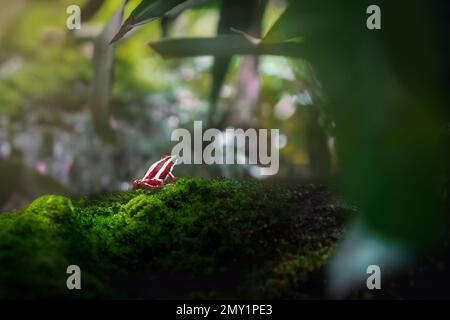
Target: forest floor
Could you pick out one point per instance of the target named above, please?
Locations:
(213, 239)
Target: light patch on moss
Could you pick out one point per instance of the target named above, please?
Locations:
(57, 208)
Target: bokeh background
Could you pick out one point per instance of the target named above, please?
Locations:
(54, 139)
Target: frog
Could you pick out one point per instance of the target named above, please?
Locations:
(157, 174)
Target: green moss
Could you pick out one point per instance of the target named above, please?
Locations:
(291, 274)
(57, 208)
(218, 238)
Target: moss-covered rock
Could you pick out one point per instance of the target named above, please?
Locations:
(195, 238)
(57, 208)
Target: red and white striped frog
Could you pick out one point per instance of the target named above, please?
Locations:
(157, 174)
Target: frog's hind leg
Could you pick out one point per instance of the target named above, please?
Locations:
(153, 184)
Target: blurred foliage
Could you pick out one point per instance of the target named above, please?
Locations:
(385, 115)
(46, 79)
(36, 83)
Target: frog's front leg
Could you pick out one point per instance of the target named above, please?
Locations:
(172, 177)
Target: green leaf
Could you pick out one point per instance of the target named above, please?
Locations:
(222, 46)
(188, 4)
(146, 11)
(286, 28)
(309, 20)
(149, 10)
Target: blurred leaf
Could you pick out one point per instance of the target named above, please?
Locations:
(288, 27)
(247, 17)
(222, 46)
(234, 14)
(146, 11)
(284, 28)
(103, 71)
(386, 113)
(149, 10)
(90, 9)
(166, 24)
(188, 4)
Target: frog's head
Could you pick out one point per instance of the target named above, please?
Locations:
(136, 184)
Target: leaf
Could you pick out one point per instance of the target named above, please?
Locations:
(222, 46)
(166, 24)
(149, 10)
(169, 18)
(146, 11)
(188, 4)
(285, 28)
(309, 20)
